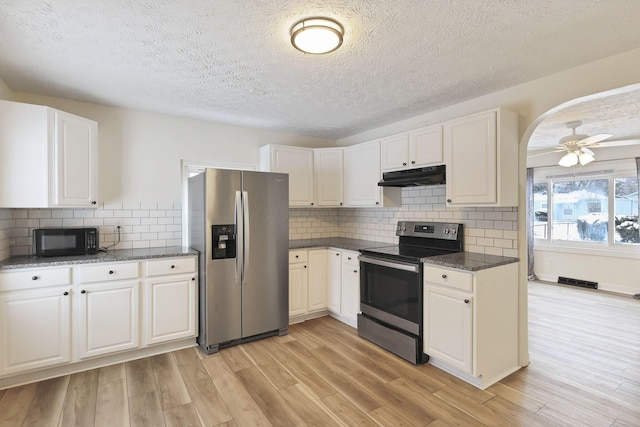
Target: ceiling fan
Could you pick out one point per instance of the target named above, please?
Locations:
(578, 146)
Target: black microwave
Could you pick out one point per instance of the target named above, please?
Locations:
(65, 241)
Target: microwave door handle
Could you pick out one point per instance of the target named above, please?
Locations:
(391, 264)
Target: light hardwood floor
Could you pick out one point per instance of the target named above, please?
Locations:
(585, 370)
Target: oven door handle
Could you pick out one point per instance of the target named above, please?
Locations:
(415, 268)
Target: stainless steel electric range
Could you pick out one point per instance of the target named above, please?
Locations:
(391, 286)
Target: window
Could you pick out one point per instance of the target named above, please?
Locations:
(626, 210)
(589, 207)
(579, 215)
(540, 211)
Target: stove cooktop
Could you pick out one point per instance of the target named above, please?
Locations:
(407, 253)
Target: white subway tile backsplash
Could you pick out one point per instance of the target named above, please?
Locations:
(139, 222)
(158, 224)
(131, 205)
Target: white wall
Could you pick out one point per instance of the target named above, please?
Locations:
(5, 92)
(612, 273)
(140, 152)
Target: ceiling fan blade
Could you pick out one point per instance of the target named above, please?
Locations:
(593, 139)
(616, 143)
(536, 153)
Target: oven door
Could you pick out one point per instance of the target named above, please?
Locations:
(391, 291)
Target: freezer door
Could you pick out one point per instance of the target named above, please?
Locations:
(265, 290)
(223, 291)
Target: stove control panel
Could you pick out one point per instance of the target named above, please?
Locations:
(433, 230)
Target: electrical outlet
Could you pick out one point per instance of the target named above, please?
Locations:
(552, 261)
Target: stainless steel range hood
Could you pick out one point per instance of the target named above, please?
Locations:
(432, 175)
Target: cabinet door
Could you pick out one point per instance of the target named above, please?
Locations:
(334, 281)
(170, 308)
(362, 173)
(108, 319)
(394, 152)
(297, 289)
(34, 329)
(298, 163)
(317, 280)
(425, 146)
(76, 161)
(448, 316)
(328, 176)
(350, 287)
(470, 156)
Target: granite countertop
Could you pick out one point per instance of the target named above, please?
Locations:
(335, 242)
(26, 261)
(470, 261)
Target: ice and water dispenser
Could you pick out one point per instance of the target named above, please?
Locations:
(224, 241)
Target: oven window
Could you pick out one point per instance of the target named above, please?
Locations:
(394, 291)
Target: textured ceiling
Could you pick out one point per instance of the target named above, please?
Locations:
(231, 60)
(617, 115)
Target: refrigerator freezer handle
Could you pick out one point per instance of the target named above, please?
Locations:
(245, 231)
(239, 238)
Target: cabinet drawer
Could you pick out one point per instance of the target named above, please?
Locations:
(297, 256)
(171, 266)
(453, 278)
(26, 279)
(350, 258)
(108, 272)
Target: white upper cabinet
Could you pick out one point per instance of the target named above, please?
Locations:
(425, 146)
(361, 175)
(481, 155)
(328, 176)
(298, 163)
(420, 147)
(48, 158)
(395, 152)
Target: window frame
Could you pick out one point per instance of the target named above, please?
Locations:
(610, 170)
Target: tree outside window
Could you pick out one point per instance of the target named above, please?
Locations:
(626, 210)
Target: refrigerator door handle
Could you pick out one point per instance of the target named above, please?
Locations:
(239, 239)
(245, 233)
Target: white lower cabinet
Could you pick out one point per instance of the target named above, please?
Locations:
(307, 283)
(334, 281)
(108, 318)
(34, 329)
(448, 326)
(317, 280)
(350, 287)
(170, 300)
(108, 308)
(471, 322)
(324, 281)
(297, 283)
(51, 317)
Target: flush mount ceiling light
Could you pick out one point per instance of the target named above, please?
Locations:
(317, 35)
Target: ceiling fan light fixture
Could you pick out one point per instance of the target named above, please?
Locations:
(317, 35)
(568, 160)
(585, 157)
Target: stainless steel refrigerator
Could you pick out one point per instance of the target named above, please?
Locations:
(239, 222)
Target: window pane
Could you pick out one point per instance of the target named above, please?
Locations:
(540, 202)
(580, 210)
(626, 210)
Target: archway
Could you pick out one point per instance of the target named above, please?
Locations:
(556, 119)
